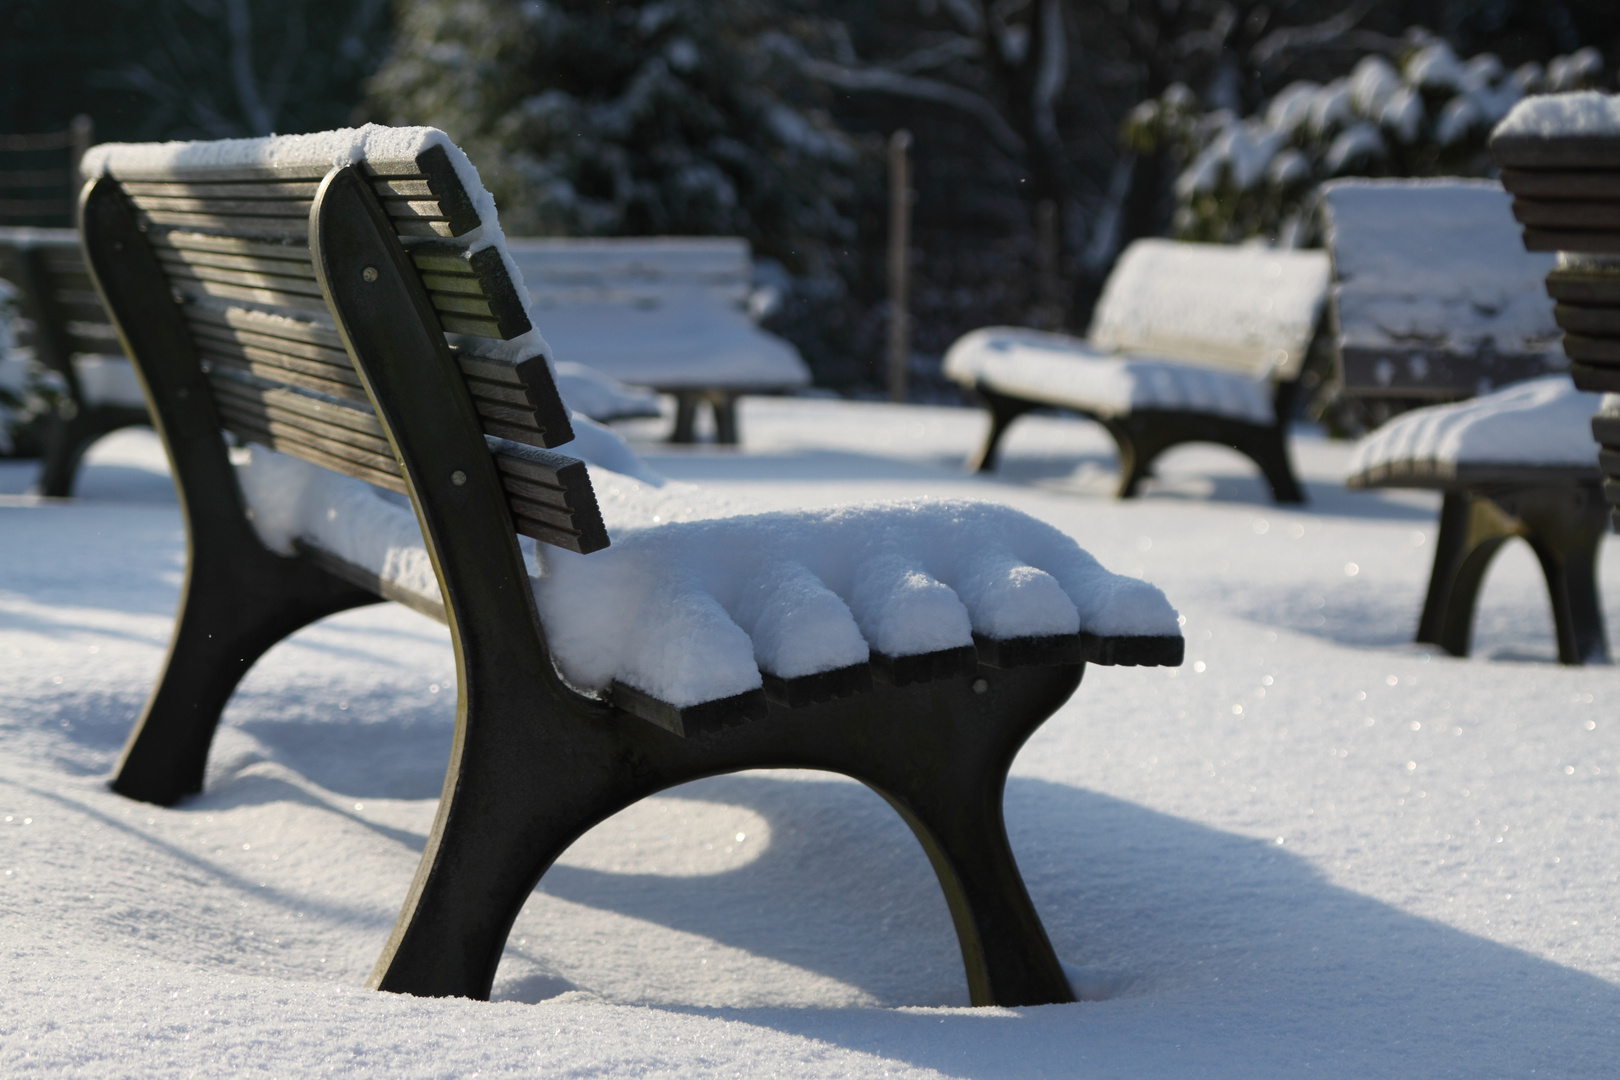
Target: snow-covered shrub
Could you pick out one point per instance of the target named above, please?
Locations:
(1423, 113)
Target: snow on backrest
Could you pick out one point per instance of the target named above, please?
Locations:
(1438, 263)
(1249, 309)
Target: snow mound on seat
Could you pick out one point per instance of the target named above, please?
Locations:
(1543, 421)
(1068, 372)
(1584, 112)
(696, 596)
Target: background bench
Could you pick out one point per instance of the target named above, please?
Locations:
(671, 313)
(67, 331)
(364, 318)
(1434, 298)
(1189, 343)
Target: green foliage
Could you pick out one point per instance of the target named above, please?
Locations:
(1426, 114)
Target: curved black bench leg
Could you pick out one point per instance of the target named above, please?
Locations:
(725, 418)
(67, 439)
(1565, 527)
(1472, 530)
(1139, 440)
(1268, 448)
(1003, 411)
(686, 406)
(234, 606)
(1005, 951)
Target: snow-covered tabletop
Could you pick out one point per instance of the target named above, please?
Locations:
(1539, 425)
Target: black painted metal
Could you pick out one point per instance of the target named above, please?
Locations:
(238, 598)
(1564, 523)
(723, 403)
(1143, 435)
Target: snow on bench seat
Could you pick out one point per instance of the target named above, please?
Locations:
(1539, 426)
(1063, 371)
(697, 596)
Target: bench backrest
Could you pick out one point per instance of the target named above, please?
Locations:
(1434, 296)
(1253, 310)
(64, 316)
(39, 174)
(230, 230)
(666, 312)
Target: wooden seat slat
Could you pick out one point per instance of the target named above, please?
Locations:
(453, 284)
(265, 370)
(181, 240)
(248, 420)
(432, 229)
(402, 188)
(338, 441)
(336, 413)
(303, 350)
(319, 331)
(459, 304)
(228, 208)
(466, 324)
(238, 189)
(326, 458)
(262, 227)
(280, 283)
(268, 297)
(425, 209)
(295, 268)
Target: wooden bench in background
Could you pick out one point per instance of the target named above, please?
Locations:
(306, 307)
(67, 332)
(1434, 298)
(670, 313)
(1189, 343)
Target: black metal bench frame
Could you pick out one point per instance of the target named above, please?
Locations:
(533, 763)
(1559, 511)
(1142, 435)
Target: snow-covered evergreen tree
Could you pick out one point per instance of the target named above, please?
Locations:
(1427, 113)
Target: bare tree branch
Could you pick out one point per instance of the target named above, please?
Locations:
(938, 55)
(883, 81)
(1326, 32)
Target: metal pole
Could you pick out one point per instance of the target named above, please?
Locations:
(900, 197)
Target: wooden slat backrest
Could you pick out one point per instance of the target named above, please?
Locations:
(57, 297)
(234, 246)
(39, 172)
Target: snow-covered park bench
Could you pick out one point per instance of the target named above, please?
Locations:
(69, 334)
(670, 313)
(1560, 157)
(1434, 297)
(343, 306)
(1189, 343)
(1518, 462)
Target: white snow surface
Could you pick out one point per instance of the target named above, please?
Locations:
(1543, 421)
(601, 397)
(695, 596)
(1244, 308)
(1313, 850)
(1438, 263)
(1063, 370)
(1583, 112)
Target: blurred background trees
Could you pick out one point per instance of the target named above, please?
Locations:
(1047, 133)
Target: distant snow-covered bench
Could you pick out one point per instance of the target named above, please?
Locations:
(1189, 343)
(1434, 298)
(671, 313)
(345, 307)
(69, 334)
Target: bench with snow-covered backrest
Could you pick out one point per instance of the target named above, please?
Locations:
(68, 333)
(1189, 343)
(1560, 157)
(1434, 298)
(343, 308)
(1519, 462)
(670, 313)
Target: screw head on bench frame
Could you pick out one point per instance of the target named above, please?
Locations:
(458, 478)
(369, 273)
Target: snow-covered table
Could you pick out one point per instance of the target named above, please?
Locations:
(1434, 297)
(671, 313)
(70, 335)
(1516, 463)
(347, 299)
(1189, 343)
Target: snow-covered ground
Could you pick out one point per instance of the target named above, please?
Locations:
(1315, 849)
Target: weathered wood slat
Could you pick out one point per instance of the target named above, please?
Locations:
(350, 418)
(1583, 214)
(302, 269)
(1597, 241)
(332, 363)
(463, 324)
(231, 245)
(81, 309)
(372, 583)
(299, 286)
(476, 306)
(238, 415)
(1579, 285)
(1561, 184)
(1577, 319)
(415, 189)
(241, 189)
(693, 719)
(543, 494)
(227, 208)
(439, 229)
(587, 533)
(509, 415)
(453, 284)
(333, 373)
(1592, 349)
(425, 209)
(544, 513)
(259, 369)
(498, 393)
(268, 297)
(313, 332)
(1595, 379)
(290, 227)
(450, 272)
